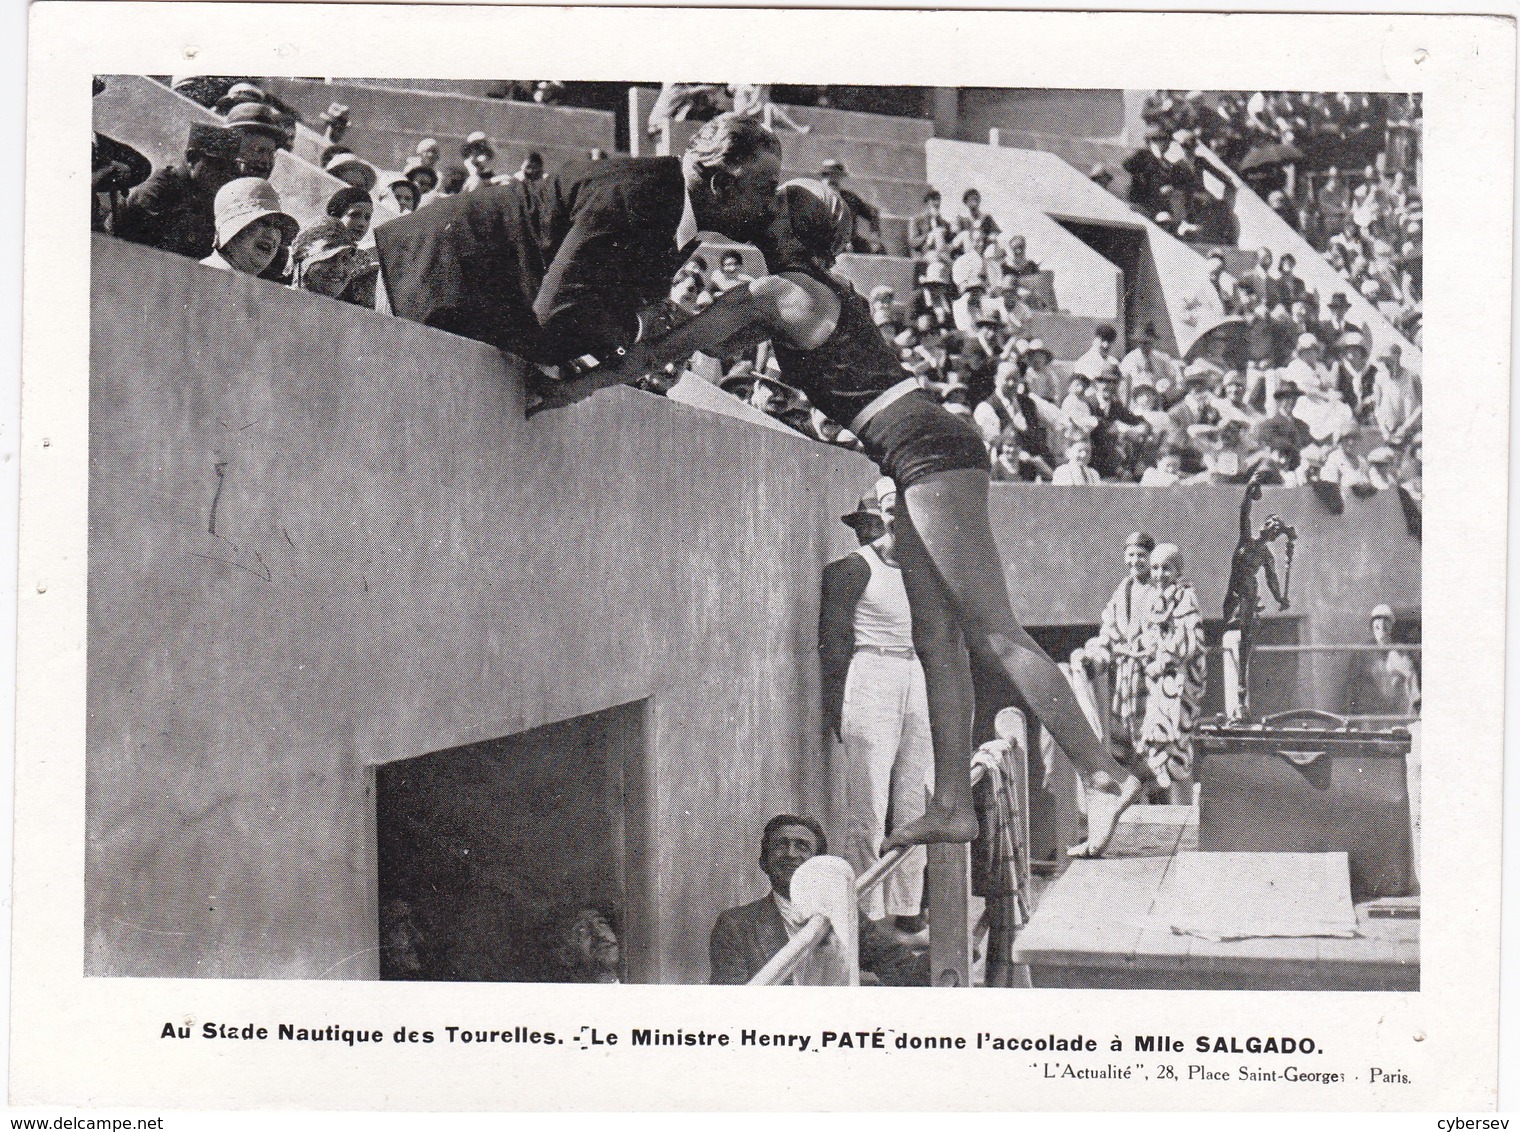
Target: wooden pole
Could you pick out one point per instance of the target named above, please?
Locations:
(949, 879)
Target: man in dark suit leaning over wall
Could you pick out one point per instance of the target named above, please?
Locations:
(744, 938)
(571, 266)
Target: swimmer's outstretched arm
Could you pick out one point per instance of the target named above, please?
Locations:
(770, 302)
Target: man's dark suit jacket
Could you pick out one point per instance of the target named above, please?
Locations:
(1107, 453)
(550, 270)
(744, 939)
(1147, 173)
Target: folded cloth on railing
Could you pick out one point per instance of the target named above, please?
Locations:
(997, 866)
(825, 965)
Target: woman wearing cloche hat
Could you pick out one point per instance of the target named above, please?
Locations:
(251, 227)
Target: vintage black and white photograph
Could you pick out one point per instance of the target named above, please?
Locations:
(609, 530)
(407, 733)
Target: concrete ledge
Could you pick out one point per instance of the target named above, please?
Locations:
(322, 539)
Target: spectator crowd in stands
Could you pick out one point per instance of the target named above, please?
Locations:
(1306, 399)
(1337, 167)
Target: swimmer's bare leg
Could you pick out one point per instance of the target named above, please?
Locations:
(950, 815)
(947, 522)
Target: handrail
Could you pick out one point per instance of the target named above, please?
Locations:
(780, 966)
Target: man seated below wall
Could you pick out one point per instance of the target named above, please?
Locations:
(582, 946)
(744, 938)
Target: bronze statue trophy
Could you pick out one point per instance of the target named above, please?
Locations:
(1302, 781)
(1242, 605)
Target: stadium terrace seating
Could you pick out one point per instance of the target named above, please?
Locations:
(155, 121)
(1260, 227)
(471, 88)
(388, 122)
(1168, 281)
(826, 123)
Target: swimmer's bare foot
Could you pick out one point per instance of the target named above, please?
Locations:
(1106, 800)
(936, 826)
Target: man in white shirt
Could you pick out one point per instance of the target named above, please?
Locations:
(1395, 398)
(874, 698)
(1092, 363)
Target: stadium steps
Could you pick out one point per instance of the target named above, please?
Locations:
(389, 148)
(826, 123)
(389, 121)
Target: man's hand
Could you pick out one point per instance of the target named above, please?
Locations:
(558, 394)
(833, 720)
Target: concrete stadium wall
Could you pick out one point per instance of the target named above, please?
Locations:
(322, 540)
(1102, 117)
(402, 565)
(1071, 113)
(1080, 153)
(1062, 572)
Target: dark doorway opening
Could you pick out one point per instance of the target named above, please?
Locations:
(487, 852)
(1124, 248)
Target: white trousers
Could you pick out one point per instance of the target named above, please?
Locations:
(887, 743)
